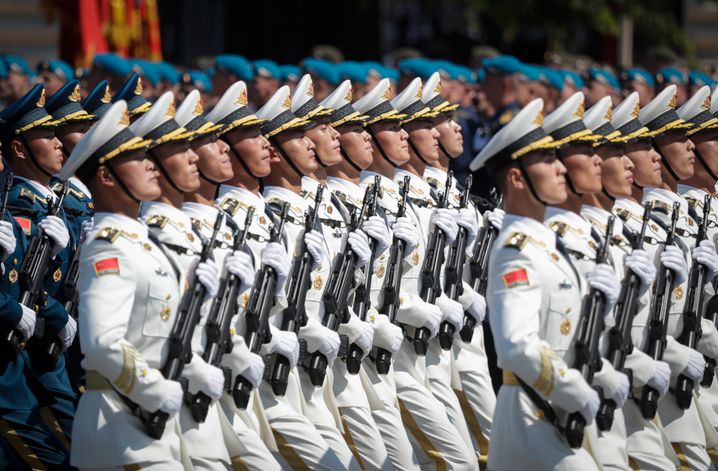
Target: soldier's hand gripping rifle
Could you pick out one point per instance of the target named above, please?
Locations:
(219, 322)
(431, 276)
(295, 315)
(479, 266)
(392, 286)
(180, 340)
(453, 282)
(362, 300)
(658, 322)
(261, 301)
(692, 316)
(32, 281)
(336, 293)
(587, 354)
(620, 344)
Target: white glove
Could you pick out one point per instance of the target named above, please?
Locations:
(202, 376)
(640, 263)
(433, 319)
(208, 274)
(86, 227)
(375, 227)
(588, 411)
(55, 229)
(453, 312)
(7, 240)
(359, 332)
(330, 346)
(359, 243)
(477, 309)
(254, 370)
(276, 256)
(705, 254)
(696, 365)
(621, 393)
(672, 258)
(67, 334)
(661, 377)
(467, 220)
(173, 397)
(603, 278)
(241, 265)
(495, 217)
(284, 343)
(444, 219)
(26, 326)
(314, 242)
(386, 335)
(405, 229)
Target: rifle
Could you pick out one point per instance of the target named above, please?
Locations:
(180, 341)
(295, 315)
(392, 287)
(691, 333)
(261, 301)
(620, 344)
(362, 300)
(712, 315)
(336, 293)
(588, 335)
(453, 283)
(32, 277)
(219, 321)
(14, 337)
(431, 276)
(658, 322)
(479, 266)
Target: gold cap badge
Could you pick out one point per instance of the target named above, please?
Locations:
(242, 98)
(138, 88)
(609, 113)
(124, 119)
(580, 110)
(170, 113)
(538, 120)
(287, 102)
(636, 110)
(706, 103)
(198, 110)
(348, 96)
(75, 95)
(387, 93)
(672, 103)
(107, 97)
(41, 101)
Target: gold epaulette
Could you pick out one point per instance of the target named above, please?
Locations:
(693, 202)
(27, 194)
(157, 220)
(109, 234)
(230, 205)
(661, 206)
(517, 240)
(560, 228)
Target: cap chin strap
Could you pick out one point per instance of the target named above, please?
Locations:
(705, 164)
(665, 161)
(281, 151)
(32, 157)
(121, 183)
(378, 146)
(163, 171)
(345, 154)
(239, 159)
(608, 195)
(567, 176)
(418, 154)
(530, 183)
(443, 149)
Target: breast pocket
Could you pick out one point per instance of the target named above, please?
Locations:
(160, 307)
(561, 323)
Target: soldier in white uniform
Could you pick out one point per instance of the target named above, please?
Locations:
(436, 441)
(241, 429)
(177, 164)
(123, 272)
(684, 428)
(292, 156)
(343, 180)
(534, 292)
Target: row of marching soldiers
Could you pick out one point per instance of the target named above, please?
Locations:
(305, 286)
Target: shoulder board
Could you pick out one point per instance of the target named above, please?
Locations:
(560, 228)
(109, 234)
(433, 182)
(230, 205)
(661, 206)
(157, 220)
(517, 240)
(27, 194)
(57, 186)
(72, 191)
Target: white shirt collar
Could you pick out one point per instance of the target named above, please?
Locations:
(43, 190)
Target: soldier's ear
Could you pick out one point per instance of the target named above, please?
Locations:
(17, 149)
(103, 176)
(514, 178)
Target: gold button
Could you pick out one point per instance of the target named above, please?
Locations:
(330, 209)
(565, 327)
(57, 275)
(690, 222)
(147, 247)
(554, 256)
(372, 317)
(415, 258)
(654, 227)
(232, 331)
(144, 372)
(133, 236)
(227, 236)
(165, 313)
(318, 282)
(538, 413)
(245, 300)
(380, 271)
(401, 300)
(678, 293)
(12, 276)
(190, 237)
(168, 296)
(262, 220)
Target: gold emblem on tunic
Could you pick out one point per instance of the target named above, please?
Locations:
(318, 282)
(57, 275)
(12, 276)
(678, 293)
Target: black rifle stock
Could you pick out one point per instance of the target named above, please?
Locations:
(620, 344)
(431, 277)
(217, 328)
(392, 286)
(295, 316)
(658, 322)
(692, 316)
(13, 338)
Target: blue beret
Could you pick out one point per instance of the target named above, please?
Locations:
(99, 100)
(696, 77)
(671, 75)
(353, 71)
(322, 69)
(18, 64)
(530, 72)
(60, 68)
(445, 68)
(290, 72)
(604, 76)
(417, 67)
(200, 80)
(234, 64)
(390, 73)
(112, 64)
(131, 92)
(168, 72)
(502, 65)
(552, 78)
(146, 69)
(464, 74)
(26, 113)
(638, 74)
(480, 75)
(266, 68)
(574, 78)
(3, 69)
(65, 105)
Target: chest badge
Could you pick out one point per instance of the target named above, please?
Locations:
(12, 276)
(565, 327)
(678, 293)
(57, 275)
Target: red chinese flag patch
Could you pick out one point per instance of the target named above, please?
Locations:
(516, 278)
(108, 266)
(25, 224)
